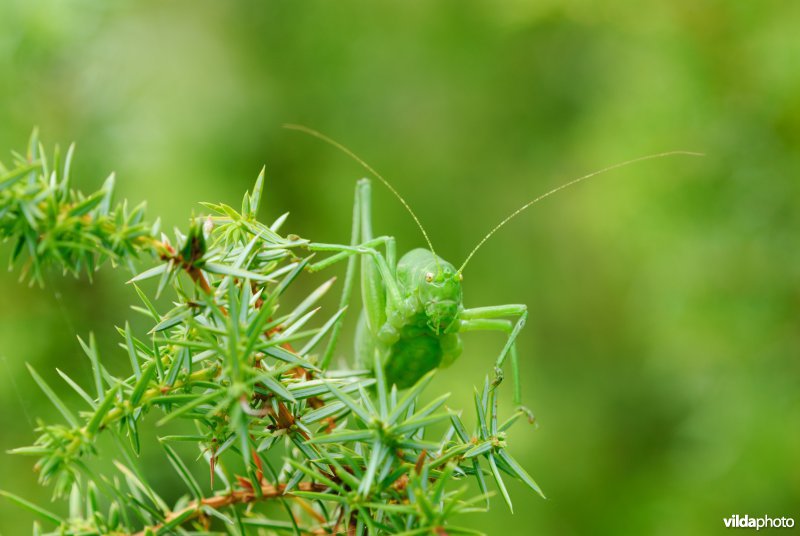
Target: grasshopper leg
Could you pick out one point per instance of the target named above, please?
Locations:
(348, 281)
(377, 278)
(489, 318)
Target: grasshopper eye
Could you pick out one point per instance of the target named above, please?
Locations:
(460, 276)
(429, 277)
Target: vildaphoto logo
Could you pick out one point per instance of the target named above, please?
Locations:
(747, 522)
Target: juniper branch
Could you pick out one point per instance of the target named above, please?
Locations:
(358, 458)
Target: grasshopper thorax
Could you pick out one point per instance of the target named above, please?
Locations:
(434, 284)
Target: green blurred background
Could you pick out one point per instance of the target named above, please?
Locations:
(662, 352)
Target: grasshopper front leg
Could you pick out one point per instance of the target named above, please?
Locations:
(490, 318)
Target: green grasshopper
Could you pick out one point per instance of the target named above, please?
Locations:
(413, 311)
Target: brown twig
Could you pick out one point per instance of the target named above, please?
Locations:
(242, 496)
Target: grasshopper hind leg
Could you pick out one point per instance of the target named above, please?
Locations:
(372, 277)
(365, 343)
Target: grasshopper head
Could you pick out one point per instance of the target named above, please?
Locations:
(440, 294)
(435, 283)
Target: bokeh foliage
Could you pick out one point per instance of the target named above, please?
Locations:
(661, 354)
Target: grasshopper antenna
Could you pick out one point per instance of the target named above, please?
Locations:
(351, 154)
(567, 185)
